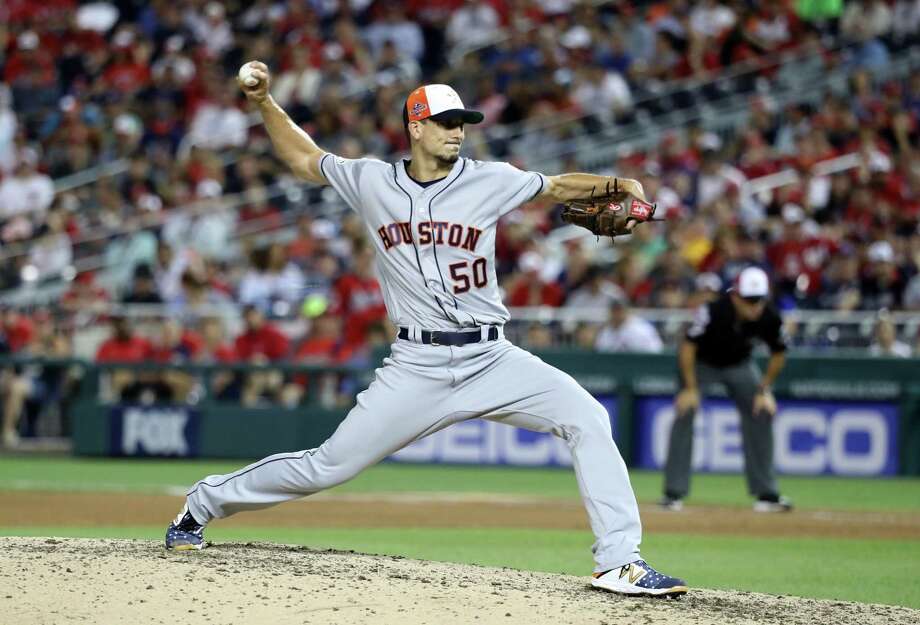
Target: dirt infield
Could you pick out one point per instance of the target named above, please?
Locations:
(47, 581)
(31, 509)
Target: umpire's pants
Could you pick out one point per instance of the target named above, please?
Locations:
(742, 382)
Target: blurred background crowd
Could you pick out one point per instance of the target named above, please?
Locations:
(144, 217)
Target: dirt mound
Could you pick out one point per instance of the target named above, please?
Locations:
(56, 581)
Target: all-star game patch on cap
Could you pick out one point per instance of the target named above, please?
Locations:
(438, 102)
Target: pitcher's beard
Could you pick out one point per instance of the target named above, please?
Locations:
(447, 160)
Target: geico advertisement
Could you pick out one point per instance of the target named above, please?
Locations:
(480, 441)
(810, 437)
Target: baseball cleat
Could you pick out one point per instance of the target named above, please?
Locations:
(184, 533)
(674, 504)
(638, 578)
(772, 503)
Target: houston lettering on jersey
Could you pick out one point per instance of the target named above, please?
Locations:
(430, 232)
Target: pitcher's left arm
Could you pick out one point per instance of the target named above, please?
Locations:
(567, 187)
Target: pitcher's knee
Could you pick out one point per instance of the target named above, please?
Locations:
(323, 476)
(590, 418)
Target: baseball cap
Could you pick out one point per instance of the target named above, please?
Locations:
(708, 281)
(752, 282)
(438, 101)
(793, 213)
(881, 252)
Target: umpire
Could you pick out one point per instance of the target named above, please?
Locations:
(717, 349)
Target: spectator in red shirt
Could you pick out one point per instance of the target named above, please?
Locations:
(302, 249)
(323, 346)
(799, 258)
(358, 299)
(177, 345)
(123, 345)
(85, 296)
(530, 289)
(215, 349)
(260, 343)
(126, 347)
(17, 329)
(16, 334)
(129, 71)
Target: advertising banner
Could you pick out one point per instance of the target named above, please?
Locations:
(810, 437)
(154, 431)
(485, 442)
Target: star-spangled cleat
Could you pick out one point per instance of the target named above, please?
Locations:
(184, 533)
(638, 578)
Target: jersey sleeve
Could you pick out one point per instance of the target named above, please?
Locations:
(516, 186)
(346, 175)
(773, 333)
(701, 324)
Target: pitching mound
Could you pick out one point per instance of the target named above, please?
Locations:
(55, 581)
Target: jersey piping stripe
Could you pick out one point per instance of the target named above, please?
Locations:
(321, 161)
(431, 221)
(538, 192)
(307, 452)
(415, 247)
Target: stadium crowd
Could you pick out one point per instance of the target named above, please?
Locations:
(147, 89)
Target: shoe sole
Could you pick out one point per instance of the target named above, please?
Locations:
(674, 592)
(185, 547)
(771, 509)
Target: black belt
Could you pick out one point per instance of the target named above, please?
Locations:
(453, 339)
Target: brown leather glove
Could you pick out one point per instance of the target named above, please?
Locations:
(609, 214)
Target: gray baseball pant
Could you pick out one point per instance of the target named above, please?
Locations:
(421, 389)
(742, 382)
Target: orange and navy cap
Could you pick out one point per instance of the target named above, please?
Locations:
(438, 101)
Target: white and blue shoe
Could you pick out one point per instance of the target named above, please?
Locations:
(638, 578)
(184, 533)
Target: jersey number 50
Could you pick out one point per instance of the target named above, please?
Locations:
(461, 275)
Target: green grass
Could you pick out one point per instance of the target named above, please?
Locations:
(882, 571)
(27, 473)
(873, 571)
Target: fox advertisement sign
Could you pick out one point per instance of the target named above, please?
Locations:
(485, 442)
(154, 431)
(810, 437)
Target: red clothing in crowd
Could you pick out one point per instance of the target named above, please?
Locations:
(186, 349)
(127, 76)
(322, 351)
(134, 349)
(19, 333)
(325, 351)
(359, 303)
(527, 293)
(267, 341)
(808, 256)
(221, 353)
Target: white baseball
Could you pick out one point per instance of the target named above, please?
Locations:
(246, 76)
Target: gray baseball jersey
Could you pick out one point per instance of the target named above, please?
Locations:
(436, 262)
(435, 244)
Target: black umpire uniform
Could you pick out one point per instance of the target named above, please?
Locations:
(717, 349)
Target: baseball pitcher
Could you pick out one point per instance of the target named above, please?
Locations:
(432, 220)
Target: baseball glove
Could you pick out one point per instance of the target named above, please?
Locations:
(611, 214)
